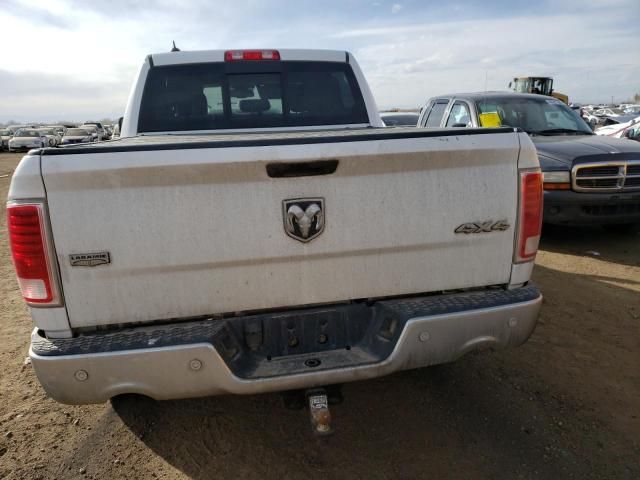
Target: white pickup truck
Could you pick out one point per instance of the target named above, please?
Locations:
(256, 228)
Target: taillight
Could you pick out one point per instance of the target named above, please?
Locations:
(529, 216)
(31, 253)
(233, 55)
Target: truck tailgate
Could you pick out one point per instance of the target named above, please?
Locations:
(200, 230)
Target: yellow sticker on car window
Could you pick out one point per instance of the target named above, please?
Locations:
(491, 119)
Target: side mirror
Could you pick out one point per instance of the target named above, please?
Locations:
(510, 83)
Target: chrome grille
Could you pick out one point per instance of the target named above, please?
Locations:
(607, 177)
(596, 171)
(632, 181)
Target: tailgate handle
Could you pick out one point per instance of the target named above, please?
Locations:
(302, 169)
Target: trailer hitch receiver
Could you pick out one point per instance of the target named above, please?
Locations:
(319, 411)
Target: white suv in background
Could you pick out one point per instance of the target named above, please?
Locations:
(102, 134)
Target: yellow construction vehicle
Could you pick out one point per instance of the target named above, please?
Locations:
(539, 85)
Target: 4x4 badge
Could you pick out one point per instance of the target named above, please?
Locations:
(304, 218)
(482, 227)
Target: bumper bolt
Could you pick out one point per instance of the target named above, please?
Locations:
(424, 336)
(81, 375)
(195, 364)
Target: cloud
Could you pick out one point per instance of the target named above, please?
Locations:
(377, 31)
(36, 14)
(72, 56)
(395, 8)
(407, 64)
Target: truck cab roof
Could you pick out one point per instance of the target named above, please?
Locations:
(285, 54)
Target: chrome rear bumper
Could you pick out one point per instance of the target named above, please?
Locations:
(162, 363)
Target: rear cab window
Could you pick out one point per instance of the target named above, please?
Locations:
(434, 116)
(218, 96)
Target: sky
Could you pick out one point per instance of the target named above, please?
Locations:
(76, 59)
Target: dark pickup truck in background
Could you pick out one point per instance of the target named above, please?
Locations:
(588, 179)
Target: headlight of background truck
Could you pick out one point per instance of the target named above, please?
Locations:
(557, 180)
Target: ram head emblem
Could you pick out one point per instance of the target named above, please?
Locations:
(304, 218)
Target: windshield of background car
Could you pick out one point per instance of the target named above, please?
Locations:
(77, 132)
(48, 132)
(90, 128)
(5, 133)
(409, 120)
(533, 114)
(27, 133)
(216, 96)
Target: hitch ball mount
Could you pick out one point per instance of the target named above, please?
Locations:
(319, 411)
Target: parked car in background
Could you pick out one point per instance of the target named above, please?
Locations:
(589, 118)
(400, 119)
(15, 128)
(615, 120)
(588, 179)
(116, 131)
(53, 137)
(26, 139)
(99, 128)
(608, 112)
(5, 136)
(77, 135)
(629, 107)
(632, 132)
(93, 130)
(60, 129)
(616, 129)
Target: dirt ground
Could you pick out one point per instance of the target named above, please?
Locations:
(564, 405)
